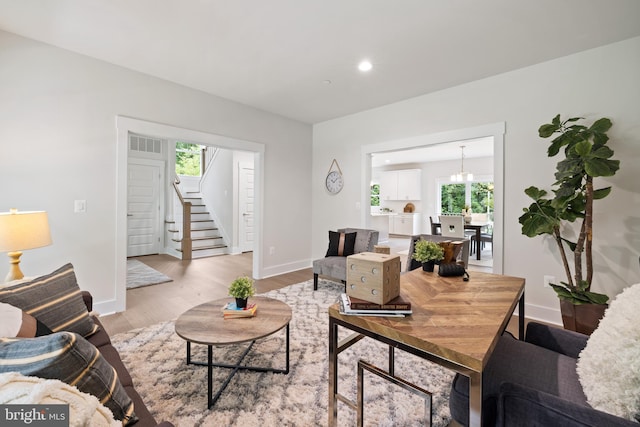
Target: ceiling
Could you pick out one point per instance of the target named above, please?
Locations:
(473, 148)
(299, 58)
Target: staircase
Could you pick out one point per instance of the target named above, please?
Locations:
(205, 236)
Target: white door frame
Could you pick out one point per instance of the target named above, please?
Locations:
(125, 125)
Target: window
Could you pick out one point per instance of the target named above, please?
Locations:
(482, 198)
(375, 195)
(452, 198)
(188, 159)
(477, 194)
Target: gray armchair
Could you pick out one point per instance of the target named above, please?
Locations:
(533, 383)
(336, 266)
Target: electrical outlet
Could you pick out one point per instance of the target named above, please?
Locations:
(272, 250)
(548, 280)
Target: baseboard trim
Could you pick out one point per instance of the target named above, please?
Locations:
(285, 268)
(543, 314)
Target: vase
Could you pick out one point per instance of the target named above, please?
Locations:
(241, 302)
(467, 219)
(428, 266)
(583, 318)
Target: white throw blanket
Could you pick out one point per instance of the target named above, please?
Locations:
(84, 409)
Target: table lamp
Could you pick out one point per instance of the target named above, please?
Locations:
(20, 231)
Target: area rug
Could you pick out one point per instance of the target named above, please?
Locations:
(176, 392)
(139, 274)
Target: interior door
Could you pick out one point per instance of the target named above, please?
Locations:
(144, 178)
(246, 208)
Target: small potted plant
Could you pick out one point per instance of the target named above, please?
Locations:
(241, 289)
(427, 253)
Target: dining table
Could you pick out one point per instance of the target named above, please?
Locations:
(477, 227)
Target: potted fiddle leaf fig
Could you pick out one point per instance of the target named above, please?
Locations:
(427, 253)
(586, 156)
(241, 289)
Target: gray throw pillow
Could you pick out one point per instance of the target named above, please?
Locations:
(68, 357)
(54, 299)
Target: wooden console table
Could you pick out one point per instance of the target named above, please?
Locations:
(454, 323)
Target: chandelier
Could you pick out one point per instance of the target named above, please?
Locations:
(460, 177)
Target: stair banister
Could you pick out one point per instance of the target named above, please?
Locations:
(186, 244)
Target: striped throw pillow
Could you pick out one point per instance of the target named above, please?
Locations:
(68, 357)
(54, 299)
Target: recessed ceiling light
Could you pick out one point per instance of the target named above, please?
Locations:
(365, 66)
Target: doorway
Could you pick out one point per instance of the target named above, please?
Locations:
(127, 125)
(145, 200)
(495, 131)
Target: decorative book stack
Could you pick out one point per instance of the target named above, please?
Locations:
(358, 307)
(231, 311)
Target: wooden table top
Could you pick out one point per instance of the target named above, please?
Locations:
(452, 319)
(204, 324)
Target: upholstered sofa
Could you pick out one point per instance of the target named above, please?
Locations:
(336, 266)
(72, 347)
(103, 343)
(533, 383)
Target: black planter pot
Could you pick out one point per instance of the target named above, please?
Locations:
(241, 302)
(428, 266)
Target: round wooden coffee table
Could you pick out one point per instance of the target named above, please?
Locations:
(204, 324)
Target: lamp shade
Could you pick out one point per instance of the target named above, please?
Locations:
(23, 230)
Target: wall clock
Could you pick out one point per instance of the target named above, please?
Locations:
(334, 181)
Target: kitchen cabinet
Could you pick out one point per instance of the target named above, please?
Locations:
(407, 224)
(403, 184)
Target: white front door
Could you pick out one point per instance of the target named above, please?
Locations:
(246, 199)
(144, 178)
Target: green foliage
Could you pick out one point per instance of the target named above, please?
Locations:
(242, 287)
(586, 156)
(425, 250)
(452, 198)
(375, 195)
(482, 197)
(188, 158)
(580, 295)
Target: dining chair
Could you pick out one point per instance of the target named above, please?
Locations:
(431, 223)
(452, 226)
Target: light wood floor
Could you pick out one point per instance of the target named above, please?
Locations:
(194, 282)
(198, 281)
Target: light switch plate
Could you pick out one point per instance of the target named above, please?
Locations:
(80, 206)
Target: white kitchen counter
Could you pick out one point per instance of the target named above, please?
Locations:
(380, 222)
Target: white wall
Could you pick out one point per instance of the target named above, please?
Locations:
(58, 135)
(217, 190)
(595, 83)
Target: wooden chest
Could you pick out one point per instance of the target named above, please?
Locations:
(373, 277)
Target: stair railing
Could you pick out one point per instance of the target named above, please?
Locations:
(186, 244)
